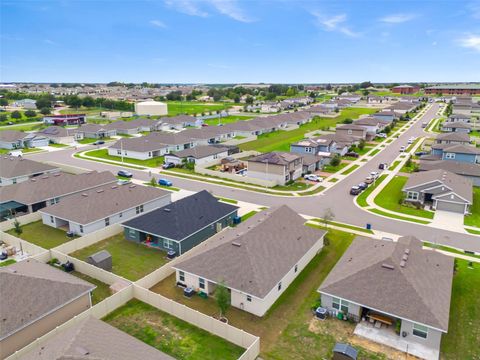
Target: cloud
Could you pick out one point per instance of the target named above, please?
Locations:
(49, 42)
(334, 23)
(228, 8)
(158, 23)
(397, 18)
(470, 41)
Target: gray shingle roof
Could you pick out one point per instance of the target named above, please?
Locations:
(199, 152)
(457, 125)
(453, 136)
(420, 291)
(277, 158)
(11, 135)
(254, 256)
(31, 289)
(183, 217)
(13, 166)
(462, 149)
(456, 167)
(93, 339)
(92, 205)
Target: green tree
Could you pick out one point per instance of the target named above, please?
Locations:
(270, 96)
(408, 163)
(3, 117)
(335, 160)
(44, 102)
(249, 100)
(222, 296)
(17, 228)
(30, 113)
(45, 111)
(3, 102)
(16, 115)
(361, 144)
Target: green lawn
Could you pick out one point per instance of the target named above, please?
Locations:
(226, 120)
(334, 169)
(350, 169)
(102, 290)
(281, 140)
(227, 200)
(463, 337)
(394, 165)
(169, 334)
(362, 198)
(86, 141)
(296, 186)
(374, 152)
(103, 154)
(248, 215)
(474, 218)
(42, 235)
(7, 262)
(393, 216)
(191, 107)
(390, 196)
(346, 226)
(58, 145)
(25, 127)
(130, 260)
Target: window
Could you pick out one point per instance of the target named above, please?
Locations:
(139, 209)
(296, 268)
(167, 244)
(412, 195)
(420, 331)
(107, 221)
(132, 233)
(14, 181)
(279, 286)
(52, 220)
(308, 149)
(181, 276)
(52, 201)
(119, 152)
(201, 283)
(249, 298)
(81, 229)
(340, 305)
(450, 156)
(149, 154)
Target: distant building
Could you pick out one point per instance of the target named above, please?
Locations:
(65, 119)
(405, 89)
(454, 89)
(27, 104)
(151, 108)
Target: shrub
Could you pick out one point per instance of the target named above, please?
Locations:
(335, 160)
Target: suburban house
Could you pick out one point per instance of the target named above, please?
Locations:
(374, 99)
(342, 142)
(27, 104)
(383, 285)
(351, 129)
(98, 208)
(48, 189)
(440, 189)
(24, 317)
(372, 124)
(453, 138)
(257, 260)
(468, 170)
(387, 115)
(402, 107)
(65, 119)
(183, 224)
(312, 163)
(457, 152)
(405, 89)
(178, 122)
(60, 135)
(13, 139)
(123, 127)
(319, 110)
(198, 155)
(314, 146)
(14, 169)
(81, 341)
(456, 127)
(458, 118)
(280, 167)
(96, 131)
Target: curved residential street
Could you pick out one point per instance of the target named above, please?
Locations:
(336, 197)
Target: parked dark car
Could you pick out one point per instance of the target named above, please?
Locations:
(352, 154)
(168, 165)
(362, 185)
(383, 166)
(99, 142)
(125, 173)
(355, 190)
(421, 153)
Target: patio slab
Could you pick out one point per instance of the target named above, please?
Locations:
(387, 336)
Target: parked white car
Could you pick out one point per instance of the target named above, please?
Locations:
(402, 149)
(374, 174)
(313, 177)
(382, 135)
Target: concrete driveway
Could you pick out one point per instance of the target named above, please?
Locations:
(448, 220)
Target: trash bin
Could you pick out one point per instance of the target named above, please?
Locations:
(369, 226)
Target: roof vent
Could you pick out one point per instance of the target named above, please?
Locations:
(405, 257)
(403, 263)
(407, 251)
(236, 244)
(132, 186)
(388, 266)
(100, 191)
(114, 186)
(85, 194)
(82, 351)
(167, 210)
(33, 180)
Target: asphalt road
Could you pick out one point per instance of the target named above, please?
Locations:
(337, 198)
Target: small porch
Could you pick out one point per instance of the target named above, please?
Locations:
(386, 335)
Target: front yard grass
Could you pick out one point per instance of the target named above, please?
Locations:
(87, 141)
(334, 169)
(42, 235)
(103, 154)
(474, 218)
(169, 334)
(362, 198)
(463, 337)
(130, 260)
(57, 145)
(295, 186)
(393, 216)
(102, 290)
(350, 169)
(284, 330)
(390, 197)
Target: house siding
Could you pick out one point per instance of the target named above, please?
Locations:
(466, 158)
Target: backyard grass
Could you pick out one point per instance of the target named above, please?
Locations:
(474, 218)
(130, 260)
(42, 235)
(102, 290)
(284, 330)
(103, 154)
(226, 120)
(350, 169)
(390, 197)
(463, 337)
(281, 140)
(169, 334)
(24, 127)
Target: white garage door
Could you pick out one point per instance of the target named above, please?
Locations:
(448, 206)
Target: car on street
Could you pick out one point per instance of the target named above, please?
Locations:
(363, 185)
(374, 174)
(382, 135)
(402, 149)
(383, 166)
(352, 154)
(355, 190)
(165, 182)
(168, 165)
(313, 177)
(99, 142)
(369, 180)
(125, 173)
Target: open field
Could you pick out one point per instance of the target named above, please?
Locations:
(192, 107)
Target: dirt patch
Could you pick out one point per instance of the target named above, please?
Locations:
(343, 332)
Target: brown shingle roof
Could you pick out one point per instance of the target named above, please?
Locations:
(11, 135)
(277, 158)
(13, 166)
(254, 256)
(31, 289)
(199, 152)
(93, 339)
(420, 291)
(453, 136)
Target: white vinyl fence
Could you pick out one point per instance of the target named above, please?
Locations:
(25, 246)
(23, 220)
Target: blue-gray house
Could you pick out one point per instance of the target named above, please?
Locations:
(314, 146)
(457, 152)
(181, 225)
